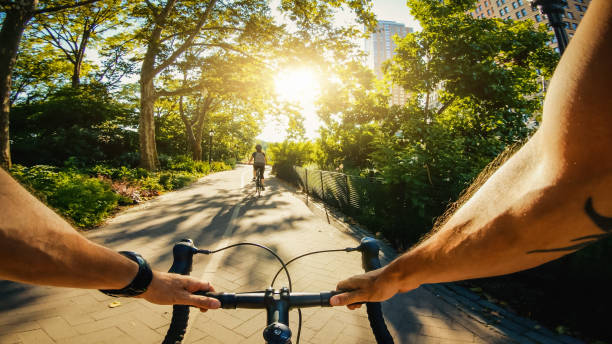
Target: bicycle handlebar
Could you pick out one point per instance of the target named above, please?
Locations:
(276, 302)
(258, 300)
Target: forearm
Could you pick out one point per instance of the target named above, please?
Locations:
(38, 246)
(525, 215)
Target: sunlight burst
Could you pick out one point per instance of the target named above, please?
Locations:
(300, 86)
(297, 85)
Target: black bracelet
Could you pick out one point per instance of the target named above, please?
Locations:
(139, 284)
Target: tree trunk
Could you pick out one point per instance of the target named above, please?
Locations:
(194, 145)
(146, 128)
(15, 22)
(80, 55)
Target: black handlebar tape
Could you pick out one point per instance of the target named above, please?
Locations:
(377, 323)
(183, 253)
(233, 301)
(178, 325)
(370, 249)
(257, 300)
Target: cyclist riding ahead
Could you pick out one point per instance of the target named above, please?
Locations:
(259, 163)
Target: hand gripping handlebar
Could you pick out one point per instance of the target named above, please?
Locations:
(277, 302)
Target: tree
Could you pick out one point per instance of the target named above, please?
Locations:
(84, 122)
(71, 31)
(17, 15)
(246, 27)
(471, 87)
(230, 81)
(37, 72)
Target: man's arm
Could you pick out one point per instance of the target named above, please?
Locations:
(549, 199)
(37, 246)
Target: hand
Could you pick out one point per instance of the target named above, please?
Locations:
(173, 289)
(369, 287)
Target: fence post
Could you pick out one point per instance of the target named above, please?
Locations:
(306, 172)
(323, 195)
(348, 192)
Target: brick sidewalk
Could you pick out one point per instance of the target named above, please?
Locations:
(207, 211)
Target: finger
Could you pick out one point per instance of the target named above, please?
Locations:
(346, 298)
(354, 306)
(346, 284)
(196, 285)
(203, 302)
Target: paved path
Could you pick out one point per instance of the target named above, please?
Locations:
(220, 209)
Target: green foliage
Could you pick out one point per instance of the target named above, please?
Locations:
(471, 87)
(292, 153)
(87, 201)
(87, 195)
(85, 123)
(83, 199)
(185, 163)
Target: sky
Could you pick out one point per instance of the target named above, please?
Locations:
(298, 86)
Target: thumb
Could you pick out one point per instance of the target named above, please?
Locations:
(345, 298)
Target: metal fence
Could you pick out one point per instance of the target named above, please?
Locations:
(400, 211)
(339, 190)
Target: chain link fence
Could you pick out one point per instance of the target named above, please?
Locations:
(381, 207)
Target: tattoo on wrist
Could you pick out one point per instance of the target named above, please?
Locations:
(602, 222)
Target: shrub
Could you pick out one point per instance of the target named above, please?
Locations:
(180, 180)
(151, 184)
(87, 201)
(165, 180)
(217, 166)
(83, 199)
(186, 164)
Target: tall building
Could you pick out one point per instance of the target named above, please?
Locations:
(381, 47)
(521, 10)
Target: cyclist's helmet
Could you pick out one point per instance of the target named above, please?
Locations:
(258, 147)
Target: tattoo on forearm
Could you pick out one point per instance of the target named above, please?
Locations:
(603, 222)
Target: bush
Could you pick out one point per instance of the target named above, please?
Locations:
(83, 199)
(181, 180)
(217, 166)
(87, 195)
(87, 201)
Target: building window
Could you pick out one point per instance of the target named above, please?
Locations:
(570, 15)
(520, 2)
(578, 8)
(506, 9)
(501, 12)
(523, 12)
(538, 18)
(509, 18)
(497, 2)
(479, 8)
(486, 3)
(518, 15)
(503, 1)
(514, 5)
(574, 26)
(489, 12)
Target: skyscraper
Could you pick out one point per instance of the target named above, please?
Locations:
(521, 10)
(381, 47)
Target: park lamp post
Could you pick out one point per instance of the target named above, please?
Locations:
(554, 11)
(211, 133)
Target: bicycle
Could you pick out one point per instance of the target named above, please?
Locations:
(258, 182)
(276, 302)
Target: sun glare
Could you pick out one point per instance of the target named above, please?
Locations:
(297, 85)
(300, 87)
